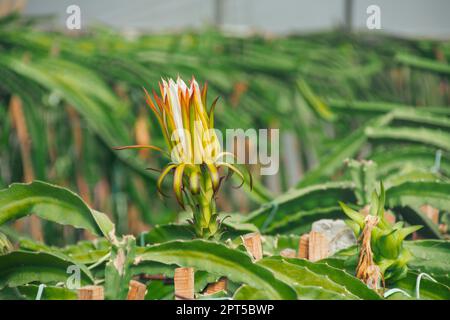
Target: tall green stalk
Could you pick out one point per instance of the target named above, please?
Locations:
(205, 220)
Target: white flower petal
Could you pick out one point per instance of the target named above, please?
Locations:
(176, 110)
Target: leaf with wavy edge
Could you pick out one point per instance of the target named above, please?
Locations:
(434, 137)
(246, 292)
(429, 290)
(52, 203)
(310, 198)
(21, 267)
(301, 273)
(352, 284)
(417, 193)
(218, 259)
(49, 293)
(431, 257)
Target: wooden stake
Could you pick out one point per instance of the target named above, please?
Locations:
(91, 293)
(303, 246)
(288, 253)
(431, 212)
(252, 242)
(136, 291)
(318, 246)
(389, 216)
(19, 122)
(220, 285)
(184, 283)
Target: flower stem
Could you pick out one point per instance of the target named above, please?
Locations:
(205, 217)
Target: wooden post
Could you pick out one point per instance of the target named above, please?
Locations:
(288, 253)
(431, 212)
(91, 293)
(303, 246)
(220, 285)
(136, 291)
(318, 246)
(252, 242)
(184, 283)
(18, 120)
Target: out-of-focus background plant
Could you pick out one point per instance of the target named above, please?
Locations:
(353, 108)
(68, 99)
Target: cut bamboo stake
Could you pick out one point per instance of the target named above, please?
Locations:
(288, 253)
(184, 283)
(252, 242)
(431, 212)
(318, 246)
(91, 293)
(303, 246)
(19, 123)
(136, 290)
(82, 185)
(217, 286)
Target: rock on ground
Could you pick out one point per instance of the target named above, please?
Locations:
(337, 232)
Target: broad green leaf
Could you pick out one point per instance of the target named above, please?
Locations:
(153, 268)
(422, 117)
(371, 108)
(11, 294)
(246, 292)
(202, 278)
(52, 203)
(431, 257)
(408, 197)
(220, 260)
(352, 284)
(301, 222)
(173, 231)
(417, 193)
(159, 290)
(302, 274)
(20, 267)
(424, 157)
(167, 232)
(438, 138)
(48, 293)
(86, 256)
(310, 198)
(429, 290)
